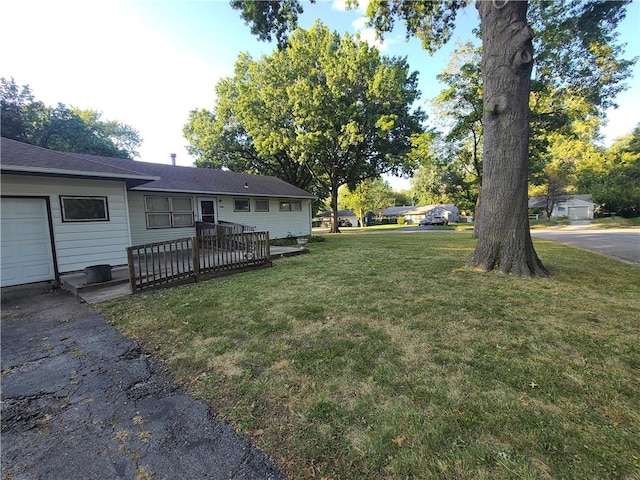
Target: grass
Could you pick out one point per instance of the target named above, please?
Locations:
(397, 227)
(544, 223)
(379, 357)
(613, 222)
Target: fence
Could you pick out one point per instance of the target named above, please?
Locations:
(221, 228)
(190, 259)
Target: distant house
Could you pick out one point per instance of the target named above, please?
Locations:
(62, 212)
(572, 206)
(413, 214)
(345, 218)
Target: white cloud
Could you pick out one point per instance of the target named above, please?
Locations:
(340, 5)
(359, 23)
(369, 36)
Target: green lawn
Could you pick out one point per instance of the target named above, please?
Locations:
(380, 357)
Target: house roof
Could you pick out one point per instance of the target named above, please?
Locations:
(339, 213)
(540, 202)
(417, 210)
(23, 158)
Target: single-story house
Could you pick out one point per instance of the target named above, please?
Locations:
(62, 212)
(413, 214)
(572, 206)
(345, 217)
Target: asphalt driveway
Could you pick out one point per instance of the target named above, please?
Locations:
(618, 243)
(81, 401)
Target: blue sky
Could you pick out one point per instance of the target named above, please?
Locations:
(147, 63)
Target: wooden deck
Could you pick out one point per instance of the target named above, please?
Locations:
(190, 259)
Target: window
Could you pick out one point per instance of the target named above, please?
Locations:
(241, 205)
(262, 205)
(84, 209)
(168, 212)
(290, 206)
(285, 206)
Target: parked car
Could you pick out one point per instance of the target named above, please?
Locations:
(345, 223)
(435, 220)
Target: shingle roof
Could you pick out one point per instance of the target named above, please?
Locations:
(541, 202)
(168, 178)
(417, 210)
(24, 158)
(339, 213)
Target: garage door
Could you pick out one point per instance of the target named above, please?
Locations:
(25, 244)
(578, 212)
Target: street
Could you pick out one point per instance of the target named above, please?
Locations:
(621, 243)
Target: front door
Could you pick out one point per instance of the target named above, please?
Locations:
(207, 210)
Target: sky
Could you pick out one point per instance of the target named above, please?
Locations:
(148, 63)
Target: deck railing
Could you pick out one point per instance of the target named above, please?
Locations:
(190, 259)
(221, 228)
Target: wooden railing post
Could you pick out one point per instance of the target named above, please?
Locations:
(196, 256)
(132, 270)
(267, 248)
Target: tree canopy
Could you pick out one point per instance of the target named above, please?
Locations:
(62, 128)
(322, 112)
(504, 241)
(373, 195)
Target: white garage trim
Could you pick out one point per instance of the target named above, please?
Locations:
(28, 253)
(575, 213)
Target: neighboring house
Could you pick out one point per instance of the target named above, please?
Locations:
(344, 216)
(62, 212)
(572, 206)
(413, 214)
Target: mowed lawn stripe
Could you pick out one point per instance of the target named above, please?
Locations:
(381, 356)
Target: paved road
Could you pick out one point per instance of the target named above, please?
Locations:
(81, 401)
(620, 243)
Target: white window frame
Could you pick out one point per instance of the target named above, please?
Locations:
(63, 211)
(173, 214)
(235, 206)
(290, 206)
(265, 200)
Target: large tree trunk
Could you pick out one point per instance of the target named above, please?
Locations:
(504, 241)
(334, 210)
(476, 216)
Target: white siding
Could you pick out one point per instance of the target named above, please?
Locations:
(574, 208)
(278, 224)
(79, 244)
(140, 234)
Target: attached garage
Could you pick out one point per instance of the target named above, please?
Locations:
(26, 253)
(575, 213)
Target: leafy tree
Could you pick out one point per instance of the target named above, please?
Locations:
(329, 106)
(222, 139)
(19, 112)
(613, 177)
(372, 195)
(62, 128)
(504, 241)
(403, 197)
(554, 190)
(460, 104)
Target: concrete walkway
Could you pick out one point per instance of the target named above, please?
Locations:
(79, 401)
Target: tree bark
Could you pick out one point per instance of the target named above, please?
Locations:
(504, 241)
(334, 210)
